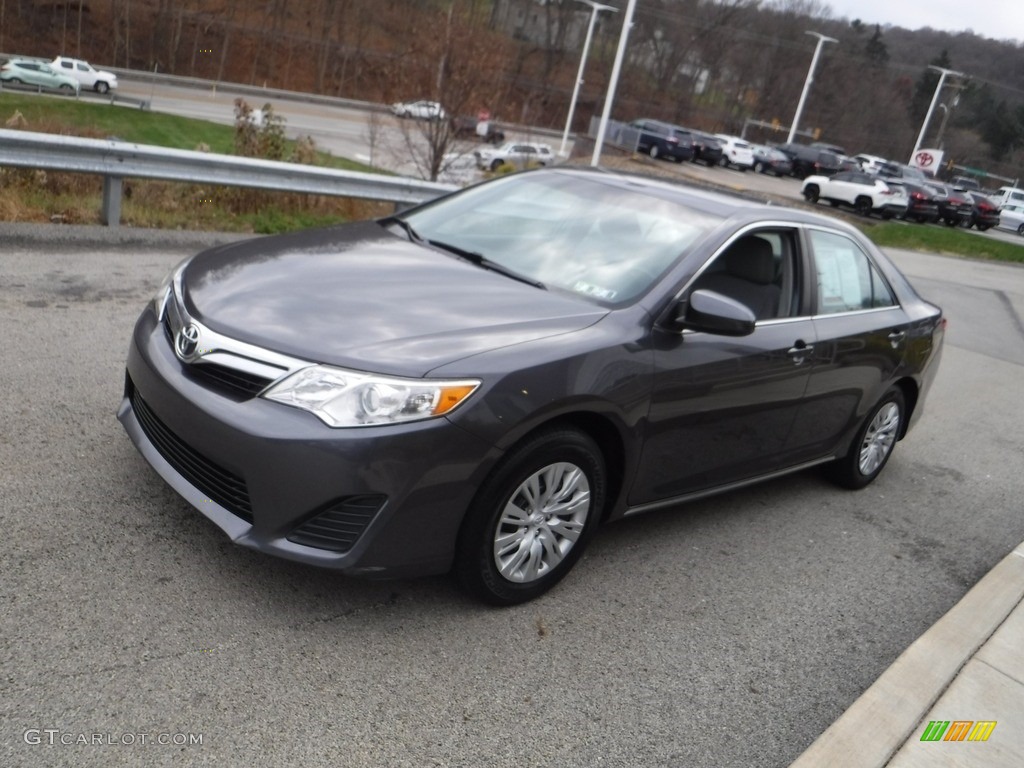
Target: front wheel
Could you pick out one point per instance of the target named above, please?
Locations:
(758, 167)
(874, 444)
(653, 151)
(495, 165)
(102, 87)
(532, 518)
(1020, 230)
(811, 193)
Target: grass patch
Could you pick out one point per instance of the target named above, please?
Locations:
(31, 195)
(941, 239)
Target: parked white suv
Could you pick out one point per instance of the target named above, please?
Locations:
(98, 80)
(863, 192)
(735, 151)
(518, 153)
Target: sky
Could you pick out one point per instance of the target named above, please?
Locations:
(997, 19)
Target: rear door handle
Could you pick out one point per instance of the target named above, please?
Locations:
(896, 337)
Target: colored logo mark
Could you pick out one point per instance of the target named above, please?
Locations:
(958, 730)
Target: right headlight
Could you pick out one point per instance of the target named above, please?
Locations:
(344, 398)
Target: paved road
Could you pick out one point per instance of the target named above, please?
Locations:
(730, 632)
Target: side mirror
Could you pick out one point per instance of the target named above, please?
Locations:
(712, 312)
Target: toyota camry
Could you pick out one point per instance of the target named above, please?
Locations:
(476, 384)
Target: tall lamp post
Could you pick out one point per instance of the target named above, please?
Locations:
(613, 82)
(596, 8)
(822, 39)
(931, 107)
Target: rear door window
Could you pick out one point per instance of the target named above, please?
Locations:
(847, 280)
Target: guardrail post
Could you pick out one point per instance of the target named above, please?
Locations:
(111, 214)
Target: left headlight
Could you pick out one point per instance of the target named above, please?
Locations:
(343, 398)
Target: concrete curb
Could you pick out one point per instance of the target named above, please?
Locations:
(893, 707)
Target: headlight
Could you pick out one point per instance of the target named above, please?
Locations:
(343, 398)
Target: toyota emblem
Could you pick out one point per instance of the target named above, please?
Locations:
(188, 341)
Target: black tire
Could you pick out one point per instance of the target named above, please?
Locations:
(811, 192)
(496, 164)
(863, 206)
(984, 227)
(759, 167)
(66, 88)
(502, 510)
(874, 444)
(653, 151)
(724, 161)
(101, 87)
(1020, 230)
(16, 81)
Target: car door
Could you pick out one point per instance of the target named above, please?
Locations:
(861, 334)
(722, 406)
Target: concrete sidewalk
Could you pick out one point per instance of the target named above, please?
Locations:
(968, 667)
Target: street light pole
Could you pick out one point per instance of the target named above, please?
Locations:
(822, 39)
(931, 107)
(613, 83)
(595, 9)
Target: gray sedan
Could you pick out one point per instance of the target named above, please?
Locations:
(476, 384)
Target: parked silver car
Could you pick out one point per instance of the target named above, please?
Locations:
(37, 73)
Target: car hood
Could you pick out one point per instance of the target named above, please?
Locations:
(360, 296)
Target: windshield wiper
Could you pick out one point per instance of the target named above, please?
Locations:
(482, 261)
(414, 236)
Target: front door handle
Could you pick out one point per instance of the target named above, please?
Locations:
(799, 351)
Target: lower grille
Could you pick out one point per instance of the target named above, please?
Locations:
(339, 526)
(216, 482)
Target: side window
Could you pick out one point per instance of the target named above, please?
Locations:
(847, 280)
(758, 270)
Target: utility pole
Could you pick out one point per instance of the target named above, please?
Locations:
(595, 9)
(822, 39)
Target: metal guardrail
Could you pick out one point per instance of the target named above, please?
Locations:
(116, 160)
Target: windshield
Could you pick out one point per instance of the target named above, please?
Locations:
(566, 231)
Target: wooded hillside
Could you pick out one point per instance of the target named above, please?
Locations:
(704, 64)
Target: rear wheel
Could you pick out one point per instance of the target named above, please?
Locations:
(66, 88)
(1020, 230)
(983, 227)
(863, 206)
(496, 164)
(874, 443)
(532, 517)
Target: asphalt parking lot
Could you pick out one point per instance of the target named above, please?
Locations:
(729, 632)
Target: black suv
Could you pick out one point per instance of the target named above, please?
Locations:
(811, 161)
(660, 139)
(707, 149)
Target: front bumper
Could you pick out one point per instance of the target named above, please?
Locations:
(383, 501)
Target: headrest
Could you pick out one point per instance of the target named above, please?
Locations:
(751, 258)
